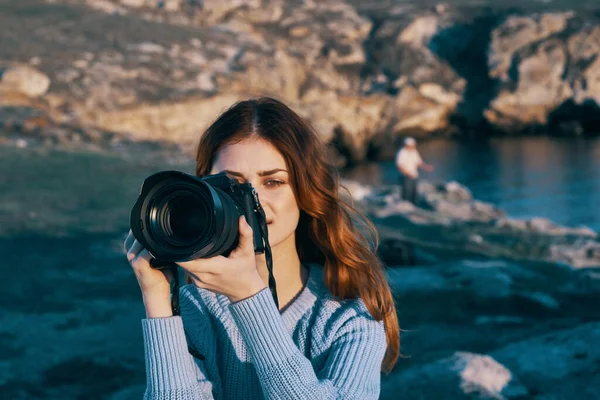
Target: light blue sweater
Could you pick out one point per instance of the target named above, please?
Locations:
(317, 348)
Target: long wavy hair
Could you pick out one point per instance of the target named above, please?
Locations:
(330, 231)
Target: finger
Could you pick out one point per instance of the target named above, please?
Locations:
(135, 248)
(202, 265)
(128, 241)
(202, 280)
(191, 276)
(143, 255)
(198, 283)
(246, 242)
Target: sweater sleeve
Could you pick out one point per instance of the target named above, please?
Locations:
(352, 369)
(171, 371)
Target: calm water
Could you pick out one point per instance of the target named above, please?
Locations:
(554, 178)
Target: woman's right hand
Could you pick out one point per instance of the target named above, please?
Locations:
(154, 283)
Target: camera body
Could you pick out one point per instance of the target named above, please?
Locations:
(180, 217)
(246, 200)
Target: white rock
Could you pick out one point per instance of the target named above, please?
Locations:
(206, 82)
(26, 80)
(150, 48)
(134, 3)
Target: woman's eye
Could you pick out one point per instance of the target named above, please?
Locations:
(273, 183)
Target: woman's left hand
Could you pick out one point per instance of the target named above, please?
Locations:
(235, 276)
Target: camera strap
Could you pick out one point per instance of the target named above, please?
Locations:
(175, 289)
(175, 300)
(264, 230)
(268, 255)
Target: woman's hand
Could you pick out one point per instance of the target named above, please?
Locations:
(155, 284)
(235, 276)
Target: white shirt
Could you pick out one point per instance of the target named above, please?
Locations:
(409, 160)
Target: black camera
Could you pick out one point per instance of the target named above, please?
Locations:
(180, 217)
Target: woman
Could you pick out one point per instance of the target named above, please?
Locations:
(336, 327)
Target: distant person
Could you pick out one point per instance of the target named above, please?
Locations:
(335, 327)
(408, 162)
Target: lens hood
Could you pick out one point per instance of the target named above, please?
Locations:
(155, 222)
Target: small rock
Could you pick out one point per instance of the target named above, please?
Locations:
(206, 82)
(68, 75)
(169, 5)
(457, 192)
(196, 42)
(540, 224)
(134, 3)
(81, 64)
(25, 80)
(149, 48)
(299, 31)
(106, 6)
(87, 56)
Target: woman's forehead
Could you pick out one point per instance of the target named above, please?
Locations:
(249, 156)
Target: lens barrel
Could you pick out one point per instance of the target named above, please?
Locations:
(179, 217)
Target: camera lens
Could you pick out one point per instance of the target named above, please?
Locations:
(179, 217)
(186, 218)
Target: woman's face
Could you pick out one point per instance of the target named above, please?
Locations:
(258, 162)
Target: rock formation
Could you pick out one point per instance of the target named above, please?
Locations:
(363, 75)
(449, 220)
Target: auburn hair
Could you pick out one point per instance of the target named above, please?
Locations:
(330, 230)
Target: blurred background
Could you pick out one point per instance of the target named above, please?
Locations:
(494, 269)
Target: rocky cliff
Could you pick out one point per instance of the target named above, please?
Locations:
(364, 74)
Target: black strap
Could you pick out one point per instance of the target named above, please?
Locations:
(175, 289)
(175, 300)
(268, 256)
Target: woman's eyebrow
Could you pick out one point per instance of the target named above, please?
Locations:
(260, 173)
